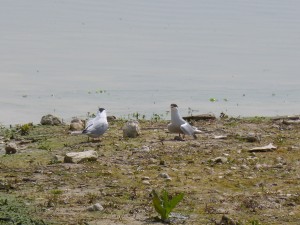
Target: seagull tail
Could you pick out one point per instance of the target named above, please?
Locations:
(198, 131)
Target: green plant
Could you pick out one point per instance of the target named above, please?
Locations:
(254, 222)
(44, 146)
(24, 129)
(164, 204)
(156, 117)
(54, 197)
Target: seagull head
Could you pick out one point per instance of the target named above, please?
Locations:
(101, 112)
(174, 106)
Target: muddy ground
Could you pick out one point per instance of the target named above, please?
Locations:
(216, 172)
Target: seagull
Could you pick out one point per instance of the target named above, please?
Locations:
(179, 125)
(97, 126)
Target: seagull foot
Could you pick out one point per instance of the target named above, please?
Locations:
(178, 138)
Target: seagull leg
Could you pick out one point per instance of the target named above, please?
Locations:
(179, 138)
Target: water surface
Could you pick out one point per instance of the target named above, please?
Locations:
(57, 56)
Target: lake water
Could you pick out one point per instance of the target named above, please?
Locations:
(68, 57)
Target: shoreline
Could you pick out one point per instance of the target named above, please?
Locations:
(157, 117)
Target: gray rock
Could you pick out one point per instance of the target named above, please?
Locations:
(77, 124)
(245, 167)
(146, 182)
(79, 157)
(131, 129)
(50, 120)
(252, 137)
(111, 118)
(145, 178)
(220, 160)
(165, 176)
(95, 207)
(226, 221)
(11, 148)
(58, 159)
(208, 116)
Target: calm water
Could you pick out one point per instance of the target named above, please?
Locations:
(58, 56)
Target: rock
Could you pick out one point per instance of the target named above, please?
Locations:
(58, 159)
(226, 221)
(165, 175)
(288, 122)
(252, 137)
(145, 178)
(286, 118)
(144, 148)
(220, 136)
(50, 120)
(11, 148)
(268, 148)
(95, 207)
(131, 129)
(245, 167)
(220, 160)
(207, 116)
(111, 118)
(77, 124)
(79, 157)
(260, 166)
(146, 182)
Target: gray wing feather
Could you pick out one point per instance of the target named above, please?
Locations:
(187, 129)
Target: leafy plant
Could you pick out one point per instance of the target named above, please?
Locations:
(156, 117)
(24, 129)
(164, 204)
(254, 222)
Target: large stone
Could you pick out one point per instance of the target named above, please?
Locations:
(50, 120)
(76, 124)
(11, 148)
(131, 129)
(111, 118)
(79, 157)
(208, 116)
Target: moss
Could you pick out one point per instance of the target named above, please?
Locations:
(14, 211)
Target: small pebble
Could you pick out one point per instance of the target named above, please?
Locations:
(95, 207)
(165, 176)
(146, 182)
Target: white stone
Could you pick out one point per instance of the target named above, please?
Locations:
(79, 157)
(95, 207)
(131, 129)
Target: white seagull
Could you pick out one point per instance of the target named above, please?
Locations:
(179, 125)
(97, 126)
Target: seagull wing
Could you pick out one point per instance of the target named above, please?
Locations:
(89, 126)
(187, 129)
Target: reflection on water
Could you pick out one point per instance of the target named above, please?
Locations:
(55, 55)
